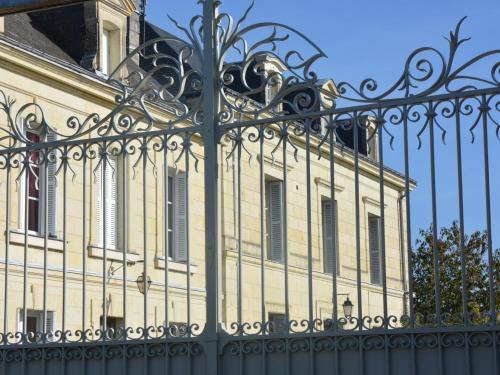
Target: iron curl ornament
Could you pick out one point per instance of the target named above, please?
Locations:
(259, 75)
(428, 71)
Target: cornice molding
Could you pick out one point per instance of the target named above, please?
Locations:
(373, 202)
(126, 7)
(326, 184)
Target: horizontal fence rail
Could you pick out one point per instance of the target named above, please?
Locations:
(263, 221)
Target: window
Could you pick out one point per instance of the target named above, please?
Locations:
(278, 323)
(34, 323)
(107, 179)
(106, 52)
(113, 323)
(274, 221)
(176, 217)
(330, 237)
(38, 178)
(374, 244)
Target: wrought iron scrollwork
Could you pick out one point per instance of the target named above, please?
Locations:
(263, 80)
(428, 71)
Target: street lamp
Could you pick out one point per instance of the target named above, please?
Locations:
(347, 305)
(141, 284)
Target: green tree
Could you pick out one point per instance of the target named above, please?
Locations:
(450, 268)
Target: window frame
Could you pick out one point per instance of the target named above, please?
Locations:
(40, 323)
(42, 175)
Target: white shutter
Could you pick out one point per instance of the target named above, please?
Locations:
(374, 242)
(276, 221)
(51, 189)
(21, 187)
(97, 176)
(180, 218)
(111, 186)
(107, 181)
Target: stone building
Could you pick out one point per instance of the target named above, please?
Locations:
(59, 60)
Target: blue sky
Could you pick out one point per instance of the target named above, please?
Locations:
(372, 39)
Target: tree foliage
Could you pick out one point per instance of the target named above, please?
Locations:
(476, 260)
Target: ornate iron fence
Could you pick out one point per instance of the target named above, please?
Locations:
(212, 220)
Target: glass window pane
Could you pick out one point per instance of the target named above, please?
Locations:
(170, 244)
(33, 215)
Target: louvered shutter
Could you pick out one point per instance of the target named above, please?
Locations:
(180, 218)
(52, 188)
(111, 186)
(330, 238)
(50, 325)
(374, 243)
(97, 175)
(50, 322)
(329, 246)
(276, 221)
(107, 181)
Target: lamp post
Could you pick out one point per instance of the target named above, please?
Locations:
(347, 306)
(143, 284)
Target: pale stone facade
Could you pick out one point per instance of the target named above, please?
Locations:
(64, 91)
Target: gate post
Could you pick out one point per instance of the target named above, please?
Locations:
(211, 173)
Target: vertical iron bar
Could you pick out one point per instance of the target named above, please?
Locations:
(262, 228)
(333, 221)
(165, 222)
(187, 142)
(358, 237)
(309, 225)
(124, 225)
(145, 229)
(331, 140)
(485, 109)
(437, 277)
(380, 125)
(309, 243)
(285, 224)
(211, 139)
(45, 243)
(357, 213)
(84, 250)
(240, 252)
(65, 249)
(165, 243)
(145, 246)
(7, 255)
(26, 224)
(102, 188)
(263, 244)
(465, 309)
(408, 214)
